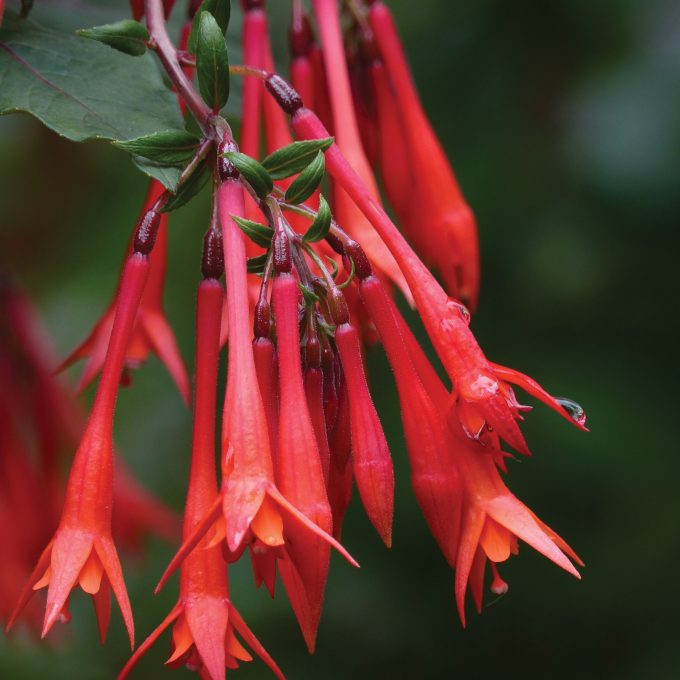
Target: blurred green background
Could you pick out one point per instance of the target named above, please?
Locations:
(563, 123)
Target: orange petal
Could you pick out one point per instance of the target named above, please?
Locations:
(496, 541)
(267, 524)
(91, 574)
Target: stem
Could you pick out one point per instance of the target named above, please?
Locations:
(246, 70)
(155, 22)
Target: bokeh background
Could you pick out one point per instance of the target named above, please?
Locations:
(563, 123)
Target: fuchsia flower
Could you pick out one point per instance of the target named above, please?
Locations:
(450, 240)
(151, 331)
(82, 550)
(205, 621)
(299, 425)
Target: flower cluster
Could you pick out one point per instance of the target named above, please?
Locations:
(312, 264)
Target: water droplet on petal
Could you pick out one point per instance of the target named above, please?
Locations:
(574, 409)
(460, 309)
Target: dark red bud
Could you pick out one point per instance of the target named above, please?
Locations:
(335, 243)
(362, 267)
(147, 228)
(212, 265)
(262, 320)
(281, 247)
(338, 306)
(313, 352)
(283, 92)
(300, 37)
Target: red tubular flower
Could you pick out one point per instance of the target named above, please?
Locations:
(253, 40)
(395, 165)
(348, 139)
(82, 549)
(493, 520)
(450, 238)
(205, 621)
(434, 473)
(313, 380)
(482, 396)
(340, 474)
(251, 501)
(372, 464)
(299, 471)
(301, 42)
(151, 330)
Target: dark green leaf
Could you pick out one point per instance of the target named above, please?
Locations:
(252, 171)
(212, 62)
(256, 265)
(256, 232)
(220, 9)
(170, 147)
(310, 297)
(126, 36)
(190, 188)
(321, 224)
(81, 89)
(167, 176)
(308, 180)
(295, 157)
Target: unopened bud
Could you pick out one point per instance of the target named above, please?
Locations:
(281, 248)
(338, 306)
(212, 265)
(147, 229)
(300, 36)
(362, 267)
(284, 93)
(262, 320)
(248, 5)
(313, 352)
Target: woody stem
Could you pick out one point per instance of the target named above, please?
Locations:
(167, 53)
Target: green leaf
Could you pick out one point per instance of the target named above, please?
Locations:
(220, 9)
(308, 181)
(295, 157)
(81, 89)
(190, 188)
(321, 224)
(169, 147)
(309, 296)
(256, 265)
(167, 176)
(256, 232)
(212, 62)
(126, 36)
(252, 171)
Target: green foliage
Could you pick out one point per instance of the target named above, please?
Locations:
(256, 265)
(212, 62)
(254, 173)
(187, 190)
(295, 157)
(127, 36)
(256, 232)
(81, 89)
(308, 180)
(169, 147)
(318, 230)
(221, 11)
